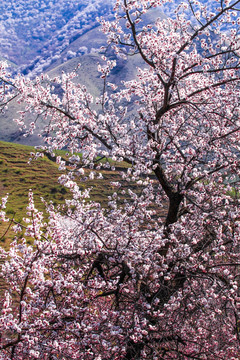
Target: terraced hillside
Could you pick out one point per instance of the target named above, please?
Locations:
(17, 176)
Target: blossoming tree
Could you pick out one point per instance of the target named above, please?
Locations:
(123, 282)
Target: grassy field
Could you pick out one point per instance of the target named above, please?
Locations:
(17, 176)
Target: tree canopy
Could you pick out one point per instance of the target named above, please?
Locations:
(155, 275)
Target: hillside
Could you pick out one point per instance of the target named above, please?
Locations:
(17, 176)
(36, 30)
(83, 49)
(87, 75)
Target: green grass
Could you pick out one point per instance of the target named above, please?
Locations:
(17, 176)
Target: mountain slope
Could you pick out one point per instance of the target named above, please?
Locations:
(42, 28)
(85, 45)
